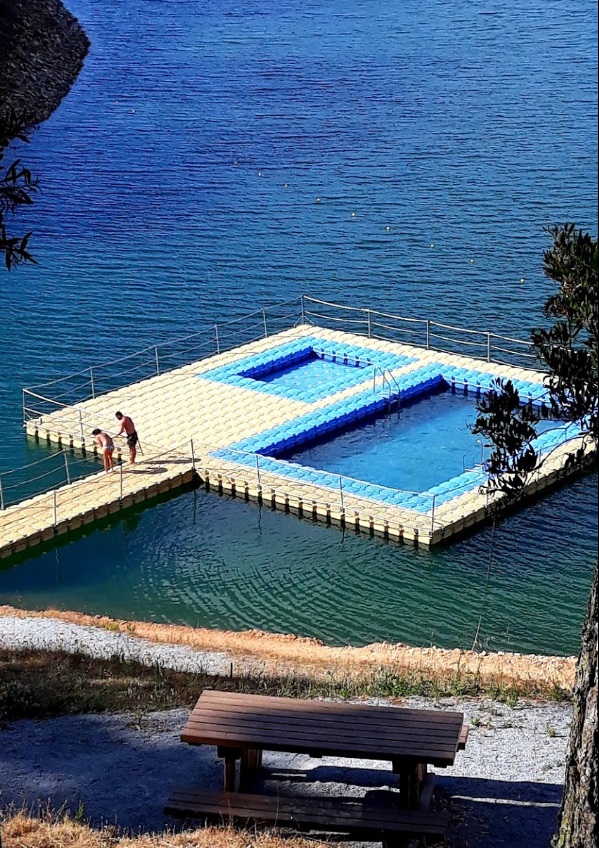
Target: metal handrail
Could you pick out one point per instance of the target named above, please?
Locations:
(368, 318)
(159, 359)
(9, 512)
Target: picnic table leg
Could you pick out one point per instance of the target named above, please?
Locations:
(399, 841)
(230, 775)
(251, 760)
(411, 781)
(229, 757)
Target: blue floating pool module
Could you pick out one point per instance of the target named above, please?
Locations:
(312, 370)
(307, 369)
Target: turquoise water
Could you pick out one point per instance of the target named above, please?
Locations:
(324, 378)
(211, 160)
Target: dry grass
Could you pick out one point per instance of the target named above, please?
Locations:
(57, 830)
(282, 656)
(38, 684)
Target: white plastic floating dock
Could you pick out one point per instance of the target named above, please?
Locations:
(215, 420)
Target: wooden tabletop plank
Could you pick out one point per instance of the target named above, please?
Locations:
(337, 748)
(236, 720)
(392, 717)
(201, 721)
(331, 707)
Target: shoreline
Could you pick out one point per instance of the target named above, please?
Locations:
(255, 651)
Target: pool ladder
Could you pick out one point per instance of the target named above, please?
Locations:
(387, 379)
(476, 465)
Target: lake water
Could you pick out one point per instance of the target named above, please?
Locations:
(213, 159)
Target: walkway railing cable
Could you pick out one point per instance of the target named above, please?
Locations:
(169, 355)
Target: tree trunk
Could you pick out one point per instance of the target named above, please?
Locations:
(578, 815)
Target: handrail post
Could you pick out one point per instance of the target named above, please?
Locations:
(303, 309)
(91, 380)
(258, 471)
(157, 361)
(66, 468)
(193, 458)
(1, 495)
(369, 316)
(81, 425)
(217, 338)
(121, 482)
(488, 347)
(433, 514)
(55, 507)
(428, 334)
(265, 324)
(341, 493)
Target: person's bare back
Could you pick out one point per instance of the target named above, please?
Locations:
(104, 441)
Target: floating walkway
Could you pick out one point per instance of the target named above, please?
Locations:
(233, 421)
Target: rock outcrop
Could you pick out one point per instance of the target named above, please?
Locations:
(42, 48)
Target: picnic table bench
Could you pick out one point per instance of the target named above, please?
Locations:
(242, 727)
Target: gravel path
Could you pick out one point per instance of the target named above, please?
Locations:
(49, 634)
(504, 789)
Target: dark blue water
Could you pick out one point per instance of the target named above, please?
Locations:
(213, 159)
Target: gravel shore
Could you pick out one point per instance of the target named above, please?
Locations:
(504, 789)
(47, 634)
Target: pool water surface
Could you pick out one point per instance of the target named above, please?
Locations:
(321, 375)
(415, 448)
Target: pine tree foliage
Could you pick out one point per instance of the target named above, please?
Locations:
(567, 353)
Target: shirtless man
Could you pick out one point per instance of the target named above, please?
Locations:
(105, 442)
(128, 428)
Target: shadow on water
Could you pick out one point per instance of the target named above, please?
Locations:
(128, 516)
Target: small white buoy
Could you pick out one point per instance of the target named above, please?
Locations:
(259, 173)
(117, 102)
(522, 280)
(133, 111)
(472, 261)
(432, 244)
(388, 229)
(318, 199)
(235, 162)
(353, 214)
(285, 185)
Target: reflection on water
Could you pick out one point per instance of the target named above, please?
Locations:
(201, 559)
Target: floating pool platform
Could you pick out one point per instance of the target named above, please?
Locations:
(230, 419)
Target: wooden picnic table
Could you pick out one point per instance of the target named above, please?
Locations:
(243, 726)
